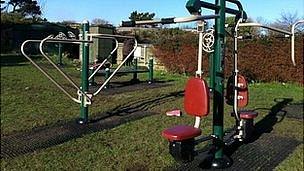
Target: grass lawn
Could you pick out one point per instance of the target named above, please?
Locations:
(29, 101)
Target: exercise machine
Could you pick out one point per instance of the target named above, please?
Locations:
(82, 95)
(184, 138)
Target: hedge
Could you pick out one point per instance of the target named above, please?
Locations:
(260, 60)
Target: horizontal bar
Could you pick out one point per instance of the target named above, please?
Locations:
(263, 26)
(169, 20)
(52, 40)
(109, 35)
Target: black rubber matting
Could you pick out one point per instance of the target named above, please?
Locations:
(294, 110)
(43, 137)
(266, 149)
(40, 138)
(264, 154)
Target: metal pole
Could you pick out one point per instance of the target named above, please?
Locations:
(200, 49)
(150, 70)
(135, 79)
(59, 54)
(236, 71)
(218, 85)
(84, 110)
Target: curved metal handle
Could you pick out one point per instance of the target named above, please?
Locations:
(236, 71)
(293, 40)
(242, 13)
(44, 72)
(116, 70)
(108, 57)
(52, 40)
(170, 20)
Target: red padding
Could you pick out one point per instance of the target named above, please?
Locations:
(196, 101)
(243, 92)
(248, 114)
(181, 132)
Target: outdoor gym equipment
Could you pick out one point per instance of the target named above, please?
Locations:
(135, 70)
(84, 97)
(183, 139)
(104, 68)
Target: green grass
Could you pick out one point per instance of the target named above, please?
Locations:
(29, 100)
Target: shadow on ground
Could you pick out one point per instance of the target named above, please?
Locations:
(264, 152)
(47, 136)
(128, 86)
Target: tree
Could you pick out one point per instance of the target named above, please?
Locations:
(67, 22)
(286, 20)
(25, 8)
(99, 21)
(2, 8)
(139, 16)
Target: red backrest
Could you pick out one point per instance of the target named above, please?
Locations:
(242, 91)
(196, 100)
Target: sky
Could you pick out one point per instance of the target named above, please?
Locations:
(115, 11)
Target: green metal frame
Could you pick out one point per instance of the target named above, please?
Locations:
(84, 109)
(151, 66)
(217, 66)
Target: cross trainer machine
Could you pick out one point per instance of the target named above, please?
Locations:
(84, 97)
(183, 138)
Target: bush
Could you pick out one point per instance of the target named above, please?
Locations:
(260, 60)
(13, 18)
(176, 50)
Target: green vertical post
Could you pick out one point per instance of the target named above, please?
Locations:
(211, 80)
(135, 79)
(151, 70)
(59, 54)
(84, 110)
(217, 76)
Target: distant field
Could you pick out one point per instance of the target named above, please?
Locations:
(29, 101)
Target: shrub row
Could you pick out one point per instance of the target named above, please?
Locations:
(260, 60)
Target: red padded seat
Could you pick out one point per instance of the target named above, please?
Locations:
(248, 114)
(181, 132)
(196, 103)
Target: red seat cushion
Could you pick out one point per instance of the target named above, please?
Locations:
(196, 101)
(181, 132)
(248, 114)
